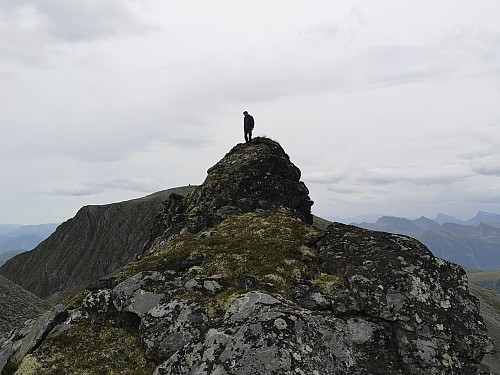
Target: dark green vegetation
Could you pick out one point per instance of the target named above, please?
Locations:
(102, 344)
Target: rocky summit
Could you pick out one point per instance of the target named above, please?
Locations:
(252, 178)
(238, 281)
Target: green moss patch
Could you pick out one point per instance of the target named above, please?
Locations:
(268, 247)
(100, 345)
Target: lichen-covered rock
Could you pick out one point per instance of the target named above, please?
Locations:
(131, 296)
(170, 326)
(31, 335)
(250, 178)
(382, 304)
(206, 285)
(394, 278)
(97, 301)
(261, 334)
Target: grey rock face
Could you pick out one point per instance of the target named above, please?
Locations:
(170, 326)
(396, 279)
(261, 334)
(29, 337)
(131, 296)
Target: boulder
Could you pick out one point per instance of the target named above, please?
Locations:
(170, 326)
(131, 296)
(31, 335)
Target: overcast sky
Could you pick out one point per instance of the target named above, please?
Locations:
(386, 106)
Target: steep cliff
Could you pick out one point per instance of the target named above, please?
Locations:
(250, 287)
(96, 242)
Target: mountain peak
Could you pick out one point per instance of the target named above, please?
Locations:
(252, 177)
(484, 217)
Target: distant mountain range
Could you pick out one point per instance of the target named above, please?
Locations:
(474, 243)
(23, 237)
(15, 239)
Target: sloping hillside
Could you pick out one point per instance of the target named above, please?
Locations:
(16, 306)
(96, 242)
(490, 311)
(487, 279)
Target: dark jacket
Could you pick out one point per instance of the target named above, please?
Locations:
(248, 123)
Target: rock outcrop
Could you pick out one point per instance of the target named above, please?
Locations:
(96, 242)
(231, 290)
(254, 178)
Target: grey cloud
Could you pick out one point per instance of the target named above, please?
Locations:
(473, 41)
(89, 20)
(388, 65)
(348, 190)
(127, 182)
(119, 182)
(324, 177)
(71, 21)
(487, 165)
(76, 189)
(320, 33)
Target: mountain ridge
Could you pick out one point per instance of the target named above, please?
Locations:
(475, 245)
(96, 242)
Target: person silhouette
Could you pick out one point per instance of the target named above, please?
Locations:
(248, 125)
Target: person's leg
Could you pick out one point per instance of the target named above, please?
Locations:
(246, 136)
(250, 135)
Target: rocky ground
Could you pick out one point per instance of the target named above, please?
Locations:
(246, 285)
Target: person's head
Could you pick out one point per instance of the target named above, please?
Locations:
(245, 113)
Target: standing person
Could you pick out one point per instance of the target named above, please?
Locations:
(248, 124)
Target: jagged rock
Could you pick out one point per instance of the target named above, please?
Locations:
(130, 296)
(250, 178)
(206, 234)
(261, 334)
(29, 337)
(75, 316)
(170, 326)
